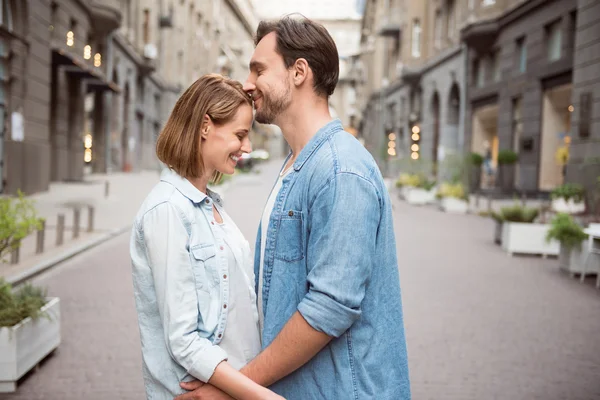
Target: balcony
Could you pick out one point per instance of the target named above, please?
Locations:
(391, 24)
(106, 15)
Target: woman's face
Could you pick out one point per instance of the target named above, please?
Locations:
(222, 146)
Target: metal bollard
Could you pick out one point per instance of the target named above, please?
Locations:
(41, 233)
(60, 229)
(523, 199)
(76, 216)
(14, 254)
(90, 218)
(489, 203)
(106, 188)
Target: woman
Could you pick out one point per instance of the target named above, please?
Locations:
(192, 272)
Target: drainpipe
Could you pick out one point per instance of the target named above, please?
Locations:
(108, 98)
(463, 98)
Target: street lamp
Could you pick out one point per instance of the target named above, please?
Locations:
(416, 138)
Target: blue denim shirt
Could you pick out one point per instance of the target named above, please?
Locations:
(180, 285)
(330, 253)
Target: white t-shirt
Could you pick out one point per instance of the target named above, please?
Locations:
(264, 228)
(241, 339)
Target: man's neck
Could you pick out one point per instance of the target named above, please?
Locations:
(302, 123)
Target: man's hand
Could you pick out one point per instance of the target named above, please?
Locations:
(201, 391)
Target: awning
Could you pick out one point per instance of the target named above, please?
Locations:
(76, 68)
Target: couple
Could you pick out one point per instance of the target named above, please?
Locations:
(318, 315)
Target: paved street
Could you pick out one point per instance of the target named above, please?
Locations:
(480, 325)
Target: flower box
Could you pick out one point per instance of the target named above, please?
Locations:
(568, 206)
(571, 260)
(420, 196)
(24, 345)
(454, 205)
(528, 238)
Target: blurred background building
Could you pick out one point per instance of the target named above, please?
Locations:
(450, 77)
(86, 85)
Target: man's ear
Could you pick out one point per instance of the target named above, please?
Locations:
(301, 71)
(206, 124)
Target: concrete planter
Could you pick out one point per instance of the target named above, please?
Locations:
(24, 345)
(524, 238)
(404, 191)
(454, 205)
(568, 206)
(420, 196)
(571, 260)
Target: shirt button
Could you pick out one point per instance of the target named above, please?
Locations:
(224, 276)
(224, 305)
(207, 201)
(291, 213)
(219, 336)
(221, 247)
(212, 222)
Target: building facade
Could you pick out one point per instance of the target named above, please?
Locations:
(448, 78)
(87, 84)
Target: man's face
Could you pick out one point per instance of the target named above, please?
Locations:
(268, 81)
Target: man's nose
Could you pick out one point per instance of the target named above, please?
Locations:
(249, 86)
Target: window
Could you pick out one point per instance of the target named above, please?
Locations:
(554, 41)
(479, 72)
(517, 123)
(437, 34)
(450, 19)
(146, 26)
(487, 3)
(521, 55)
(6, 15)
(416, 39)
(495, 58)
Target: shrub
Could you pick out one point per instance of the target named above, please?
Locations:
(18, 219)
(564, 229)
(569, 191)
(27, 301)
(455, 190)
(507, 157)
(518, 213)
(476, 158)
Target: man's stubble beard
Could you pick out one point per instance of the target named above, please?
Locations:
(271, 109)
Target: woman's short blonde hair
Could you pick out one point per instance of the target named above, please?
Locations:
(179, 144)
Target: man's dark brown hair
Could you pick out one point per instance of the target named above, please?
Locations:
(303, 38)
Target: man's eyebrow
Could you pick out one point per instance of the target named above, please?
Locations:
(256, 65)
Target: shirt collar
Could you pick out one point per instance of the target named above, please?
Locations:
(186, 188)
(322, 134)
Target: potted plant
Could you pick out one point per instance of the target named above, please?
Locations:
(29, 331)
(573, 248)
(521, 234)
(506, 169)
(475, 163)
(568, 198)
(422, 193)
(411, 182)
(453, 198)
(18, 219)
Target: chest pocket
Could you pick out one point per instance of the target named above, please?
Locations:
(289, 244)
(206, 269)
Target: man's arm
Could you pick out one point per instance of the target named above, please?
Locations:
(295, 345)
(343, 219)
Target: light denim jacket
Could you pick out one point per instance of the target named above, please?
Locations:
(180, 285)
(330, 254)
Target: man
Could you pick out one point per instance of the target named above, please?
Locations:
(325, 261)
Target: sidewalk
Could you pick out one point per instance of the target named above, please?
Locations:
(112, 215)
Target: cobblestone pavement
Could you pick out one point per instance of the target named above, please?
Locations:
(480, 325)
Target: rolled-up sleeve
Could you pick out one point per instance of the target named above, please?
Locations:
(166, 241)
(343, 221)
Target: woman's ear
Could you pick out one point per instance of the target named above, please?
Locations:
(206, 124)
